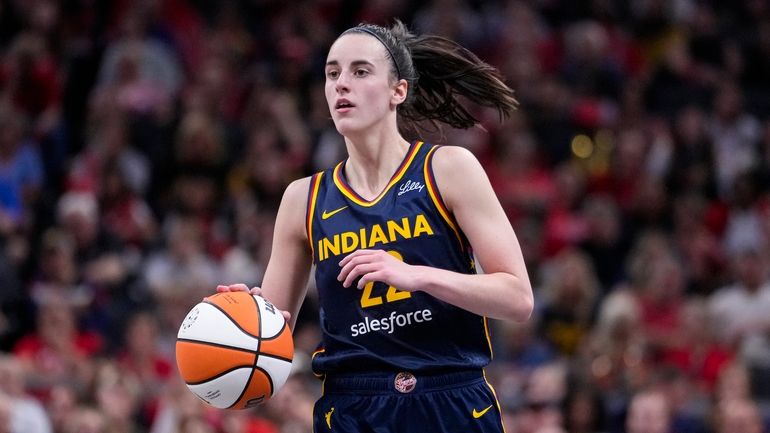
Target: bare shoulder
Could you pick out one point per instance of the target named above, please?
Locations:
(291, 214)
(459, 175)
(448, 159)
(297, 191)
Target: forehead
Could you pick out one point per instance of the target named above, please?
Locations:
(357, 46)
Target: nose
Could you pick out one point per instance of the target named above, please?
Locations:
(341, 85)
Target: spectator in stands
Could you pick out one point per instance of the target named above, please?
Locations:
(583, 410)
(568, 302)
(179, 407)
(734, 383)
(117, 394)
(60, 405)
(648, 412)
(57, 351)
(141, 360)
(734, 133)
(738, 416)
(745, 224)
(740, 308)
(178, 274)
(124, 211)
(6, 411)
(694, 349)
(26, 414)
(660, 291)
(86, 419)
(58, 276)
(544, 394)
(138, 70)
(606, 241)
(21, 173)
(31, 81)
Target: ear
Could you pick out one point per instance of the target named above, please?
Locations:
(400, 90)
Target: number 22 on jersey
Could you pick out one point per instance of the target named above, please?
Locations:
(393, 294)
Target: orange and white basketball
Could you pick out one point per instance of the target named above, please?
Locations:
(234, 350)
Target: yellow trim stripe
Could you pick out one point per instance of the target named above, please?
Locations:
(497, 402)
(312, 357)
(489, 337)
(357, 199)
(323, 380)
(315, 184)
(436, 197)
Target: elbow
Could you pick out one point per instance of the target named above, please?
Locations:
(524, 306)
(523, 303)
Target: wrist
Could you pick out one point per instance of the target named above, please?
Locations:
(421, 279)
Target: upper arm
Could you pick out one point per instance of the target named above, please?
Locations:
(468, 195)
(287, 272)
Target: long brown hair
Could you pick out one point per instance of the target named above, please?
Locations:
(439, 70)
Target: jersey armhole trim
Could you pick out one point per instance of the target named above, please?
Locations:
(315, 183)
(488, 336)
(435, 196)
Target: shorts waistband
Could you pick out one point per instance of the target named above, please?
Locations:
(398, 383)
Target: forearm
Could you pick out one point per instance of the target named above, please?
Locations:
(498, 295)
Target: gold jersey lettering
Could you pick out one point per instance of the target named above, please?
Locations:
(363, 238)
(421, 226)
(331, 248)
(377, 234)
(349, 242)
(402, 229)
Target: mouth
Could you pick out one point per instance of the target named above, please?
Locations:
(343, 104)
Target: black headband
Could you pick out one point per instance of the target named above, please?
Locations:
(376, 36)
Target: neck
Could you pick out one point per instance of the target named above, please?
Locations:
(373, 159)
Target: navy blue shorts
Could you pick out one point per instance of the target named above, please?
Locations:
(405, 403)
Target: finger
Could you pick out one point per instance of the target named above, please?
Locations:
(352, 263)
(238, 287)
(359, 271)
(371, 256)
(256, 291)
(354, 254)
(370, 277)
(286, 316)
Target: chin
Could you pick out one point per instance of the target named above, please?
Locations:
(348, 127)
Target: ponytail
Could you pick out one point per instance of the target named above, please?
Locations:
(439, 70)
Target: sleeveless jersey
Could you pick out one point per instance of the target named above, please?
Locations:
(382, 328)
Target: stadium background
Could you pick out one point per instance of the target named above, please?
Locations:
(144, 146)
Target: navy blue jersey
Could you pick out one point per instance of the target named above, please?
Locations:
(382, 328)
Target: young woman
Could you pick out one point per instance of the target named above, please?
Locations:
(393, 231)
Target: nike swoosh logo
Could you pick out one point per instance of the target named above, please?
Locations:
(326, 215)
(477, 414)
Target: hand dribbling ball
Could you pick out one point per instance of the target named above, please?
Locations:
(234, 350)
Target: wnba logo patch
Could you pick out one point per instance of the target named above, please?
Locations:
(405, 382)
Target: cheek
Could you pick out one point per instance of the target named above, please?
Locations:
(329, 93)
(378, 98)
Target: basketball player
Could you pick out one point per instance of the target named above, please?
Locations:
(393, 231)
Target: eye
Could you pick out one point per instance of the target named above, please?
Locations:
(361, 72)
(332, 74)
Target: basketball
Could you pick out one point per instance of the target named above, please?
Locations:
(234, 350)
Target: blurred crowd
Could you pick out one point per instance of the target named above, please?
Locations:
(145, 145)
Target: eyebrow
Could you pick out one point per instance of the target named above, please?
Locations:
(353, 63)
